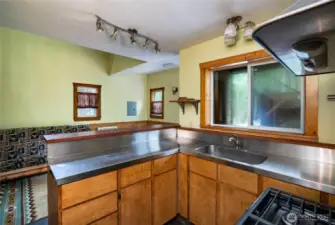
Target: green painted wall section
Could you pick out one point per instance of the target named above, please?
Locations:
(166, 79)
(37, 76)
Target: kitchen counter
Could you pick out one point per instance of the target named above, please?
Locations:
(312, 174)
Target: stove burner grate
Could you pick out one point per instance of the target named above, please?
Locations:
(277, 207)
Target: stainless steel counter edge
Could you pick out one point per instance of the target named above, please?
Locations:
(111, 167)
(291, 170)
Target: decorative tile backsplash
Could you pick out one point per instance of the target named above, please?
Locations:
(24, 147)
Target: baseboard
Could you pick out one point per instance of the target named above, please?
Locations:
(24, 172)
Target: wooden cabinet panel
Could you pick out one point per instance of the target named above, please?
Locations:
(295, 189)
(86, 189)
(202, 203)
(133, 174)
(182, 185)
(90, 211)
(108, 220)
(165, 164)
(165, 197)
(203, 167)
(331, 200)
(239, 178)
(135, 204)
(232, 203)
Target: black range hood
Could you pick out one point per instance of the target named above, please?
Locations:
(302, 38)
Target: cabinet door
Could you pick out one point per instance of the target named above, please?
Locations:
(202, 202)
(232, 203)
(135, 204)
(165, 197)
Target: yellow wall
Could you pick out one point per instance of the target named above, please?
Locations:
(37, 82)
(189, 82)
(166, 79)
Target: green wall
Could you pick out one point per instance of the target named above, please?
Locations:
(166, 79)
(37, 76)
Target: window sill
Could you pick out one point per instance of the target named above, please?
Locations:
(264, 135)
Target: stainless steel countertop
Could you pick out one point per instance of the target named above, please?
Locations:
(312, 174)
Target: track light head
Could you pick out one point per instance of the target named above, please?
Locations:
(132, 39)
(147, 42)
(114, 35)
(99, 25)
(157, 49)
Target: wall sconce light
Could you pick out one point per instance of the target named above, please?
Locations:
(174, 90)
(230, 31)
(248, 30)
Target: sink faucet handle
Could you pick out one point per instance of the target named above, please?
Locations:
(236, 141)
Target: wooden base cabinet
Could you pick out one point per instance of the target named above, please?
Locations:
(232, 203)
(202, 200)
(135, 204)
(165, 197)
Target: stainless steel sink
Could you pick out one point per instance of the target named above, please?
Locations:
(232, 154)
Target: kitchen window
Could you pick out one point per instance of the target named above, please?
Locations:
(253, 95)
(157, 103)
(86, 102)
(263, 96)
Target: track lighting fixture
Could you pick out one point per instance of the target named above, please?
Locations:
(99, 25)
(134, 36)
(248, 30)
(231, 30)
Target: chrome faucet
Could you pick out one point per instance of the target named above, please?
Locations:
(236, 142)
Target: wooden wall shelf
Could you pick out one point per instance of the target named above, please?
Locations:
(182, 103)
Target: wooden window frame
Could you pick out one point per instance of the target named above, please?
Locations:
(154, 90)
(311, 102)
(75, 102)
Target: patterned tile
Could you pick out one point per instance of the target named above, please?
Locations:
(23, 147)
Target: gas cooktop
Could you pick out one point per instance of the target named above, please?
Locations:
(277, 207)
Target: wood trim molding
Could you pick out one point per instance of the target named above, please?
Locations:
(311, 101)
(75, 102)
(153, 90)
(19, 173)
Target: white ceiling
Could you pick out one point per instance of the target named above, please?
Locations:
(176, 24)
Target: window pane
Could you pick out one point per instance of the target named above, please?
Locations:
(231, 97)
(157, 96)
(87, 90)
(87, 112)
(275, 97)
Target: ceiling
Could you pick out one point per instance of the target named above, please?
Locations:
(175, 24)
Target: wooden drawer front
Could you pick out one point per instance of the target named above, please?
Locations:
(239, 178)
(108, 220)
(133, 174)
(203, 167)
(295, 189)
(165, 164)
(90, 211)
(83, 190)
